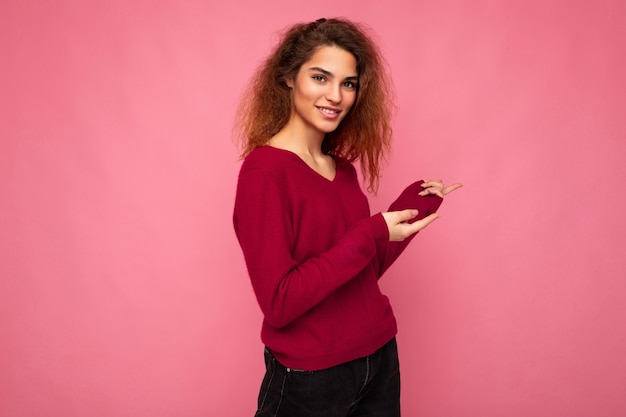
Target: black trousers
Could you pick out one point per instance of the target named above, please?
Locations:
(368, 386)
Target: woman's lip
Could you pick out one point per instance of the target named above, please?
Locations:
(333, 114)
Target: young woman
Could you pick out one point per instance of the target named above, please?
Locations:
(313, 251)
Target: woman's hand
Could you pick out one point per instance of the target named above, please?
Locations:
(400, 229)
(436, 187)
(398, 221)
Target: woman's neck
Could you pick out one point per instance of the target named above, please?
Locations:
(299, 139)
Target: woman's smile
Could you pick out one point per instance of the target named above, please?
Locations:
(329, 112)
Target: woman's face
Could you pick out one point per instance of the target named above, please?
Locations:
(324, 90)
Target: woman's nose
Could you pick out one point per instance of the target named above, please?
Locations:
(334, 93)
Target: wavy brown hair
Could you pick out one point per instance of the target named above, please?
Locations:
(364, 134)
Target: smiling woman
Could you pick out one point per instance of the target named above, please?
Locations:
(267, 105)
(323, 93)
(313, 250)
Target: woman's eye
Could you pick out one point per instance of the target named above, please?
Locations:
(319, 78)
(350, 84)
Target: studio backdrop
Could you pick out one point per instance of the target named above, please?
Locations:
(123, 290)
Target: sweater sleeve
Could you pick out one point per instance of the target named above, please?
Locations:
(286, 289)
(388, 251)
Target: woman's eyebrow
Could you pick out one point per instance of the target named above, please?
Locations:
(330, 74)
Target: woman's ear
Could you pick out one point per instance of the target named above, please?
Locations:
(289, 82)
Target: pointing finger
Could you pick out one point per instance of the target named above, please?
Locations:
(451, 188)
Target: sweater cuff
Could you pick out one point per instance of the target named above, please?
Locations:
(380, 231)
(410, 199)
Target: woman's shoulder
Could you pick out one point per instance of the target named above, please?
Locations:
(269, 162)
(264, 157)
(277, 162)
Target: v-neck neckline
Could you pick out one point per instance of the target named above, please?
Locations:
(310, 168)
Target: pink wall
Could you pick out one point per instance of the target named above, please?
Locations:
(123, 291)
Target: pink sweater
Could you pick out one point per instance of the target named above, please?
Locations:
(314, 255)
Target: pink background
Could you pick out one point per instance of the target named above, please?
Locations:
(123, 290)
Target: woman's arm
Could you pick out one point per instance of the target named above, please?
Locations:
(285, 288)
(412, 211)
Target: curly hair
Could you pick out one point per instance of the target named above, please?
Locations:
(364, 134)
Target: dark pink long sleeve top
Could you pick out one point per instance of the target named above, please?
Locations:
(314, 254)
